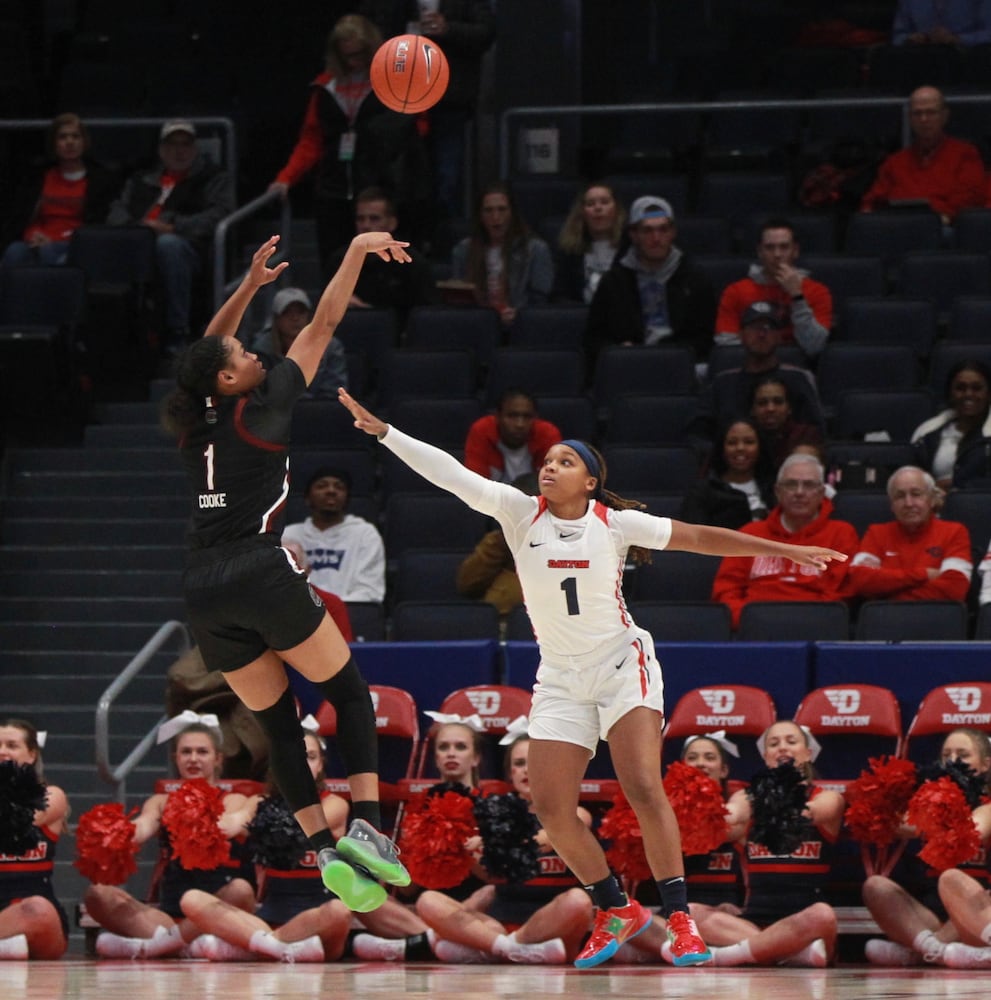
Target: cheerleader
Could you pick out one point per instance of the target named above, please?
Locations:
(158, 930)
(937, 918)
(32, 921)
(785, 919)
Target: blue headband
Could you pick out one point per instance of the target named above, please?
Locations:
(591, 462)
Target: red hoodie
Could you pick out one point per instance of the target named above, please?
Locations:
(774, 578)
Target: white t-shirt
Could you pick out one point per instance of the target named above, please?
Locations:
(571, 571)
(347, 559)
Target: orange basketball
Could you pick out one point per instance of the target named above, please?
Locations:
(409, 73)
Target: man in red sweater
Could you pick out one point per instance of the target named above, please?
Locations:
(805, 305)
(512, 441)
(946, 172)
(802, 517)
(916, 557)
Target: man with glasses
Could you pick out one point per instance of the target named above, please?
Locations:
(803, 516)
(917, 556)
(946, 172)
(652, 294)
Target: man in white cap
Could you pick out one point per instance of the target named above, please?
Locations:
(182, 199)
(292, 309)
(652, 294)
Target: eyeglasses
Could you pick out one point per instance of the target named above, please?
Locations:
(794, 485)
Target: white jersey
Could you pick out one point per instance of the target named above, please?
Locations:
(571, 571)
(347, 559)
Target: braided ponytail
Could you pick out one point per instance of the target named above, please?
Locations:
(192, 400)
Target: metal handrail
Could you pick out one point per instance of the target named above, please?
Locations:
(222, 287)
(117, 776)
(686, 107)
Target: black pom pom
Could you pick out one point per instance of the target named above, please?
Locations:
(972, 784)
(274, 837)
(21, 796)
(508, 829)
(778, 796)
(442, 787)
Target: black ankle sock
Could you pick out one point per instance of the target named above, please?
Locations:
(321, 839)
(418, 949)
(369, 811)
(607, 893)
(674, 895)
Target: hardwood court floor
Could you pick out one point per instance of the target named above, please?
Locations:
(86, 979)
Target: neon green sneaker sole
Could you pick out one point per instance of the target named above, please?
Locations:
(364, 845)
(357, 892)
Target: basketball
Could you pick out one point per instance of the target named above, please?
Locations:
(409, 73)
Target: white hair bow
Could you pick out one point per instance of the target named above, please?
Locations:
(309, 724)
(473, 721)
(175, 725)
(815, 747)
(719, 736)
(517, 728)
(40, 738)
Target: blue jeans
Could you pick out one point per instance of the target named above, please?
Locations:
(178, 263)
(19, 254)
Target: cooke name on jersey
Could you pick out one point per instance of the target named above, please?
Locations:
(208, 500)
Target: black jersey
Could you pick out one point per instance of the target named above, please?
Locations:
(238, 467)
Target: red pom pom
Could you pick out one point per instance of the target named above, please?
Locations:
(878, 800)
(939, 811)
(105, 845)
(698, 804)
(190, 815)
(433, 836)
(625, 853)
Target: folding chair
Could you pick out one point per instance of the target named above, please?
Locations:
(398, 730)
(794, 621)
(943, 709)
(909, 621)
(739, 710)
(853, 722)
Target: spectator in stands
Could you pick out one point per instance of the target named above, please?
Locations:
(803, 516)
(738, 487)
(380, 286)
(182, 199)
(508, 266)
(805, 306)
(954, 22)
(69, 190)
(292, 310)
(786, 919)
(935, 167)
(349, 140)
(33, 923)
(465, 30)
(133, 929)
(913, 912)
(588, 242)
(345, 552)
(510, 442)
(652, 294)
(489, 572)
(731, 391)
(916, 557)
(955, 445)
(985, 570)
(780, 433)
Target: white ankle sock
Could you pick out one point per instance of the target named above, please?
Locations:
(15, 946)
(812, 956)
(733, 954)
(307, 950)
(216, 949)
(986, 934)
(378, 949)
(541, 953)
(929, 946)
(458, 954)
(267, 944)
